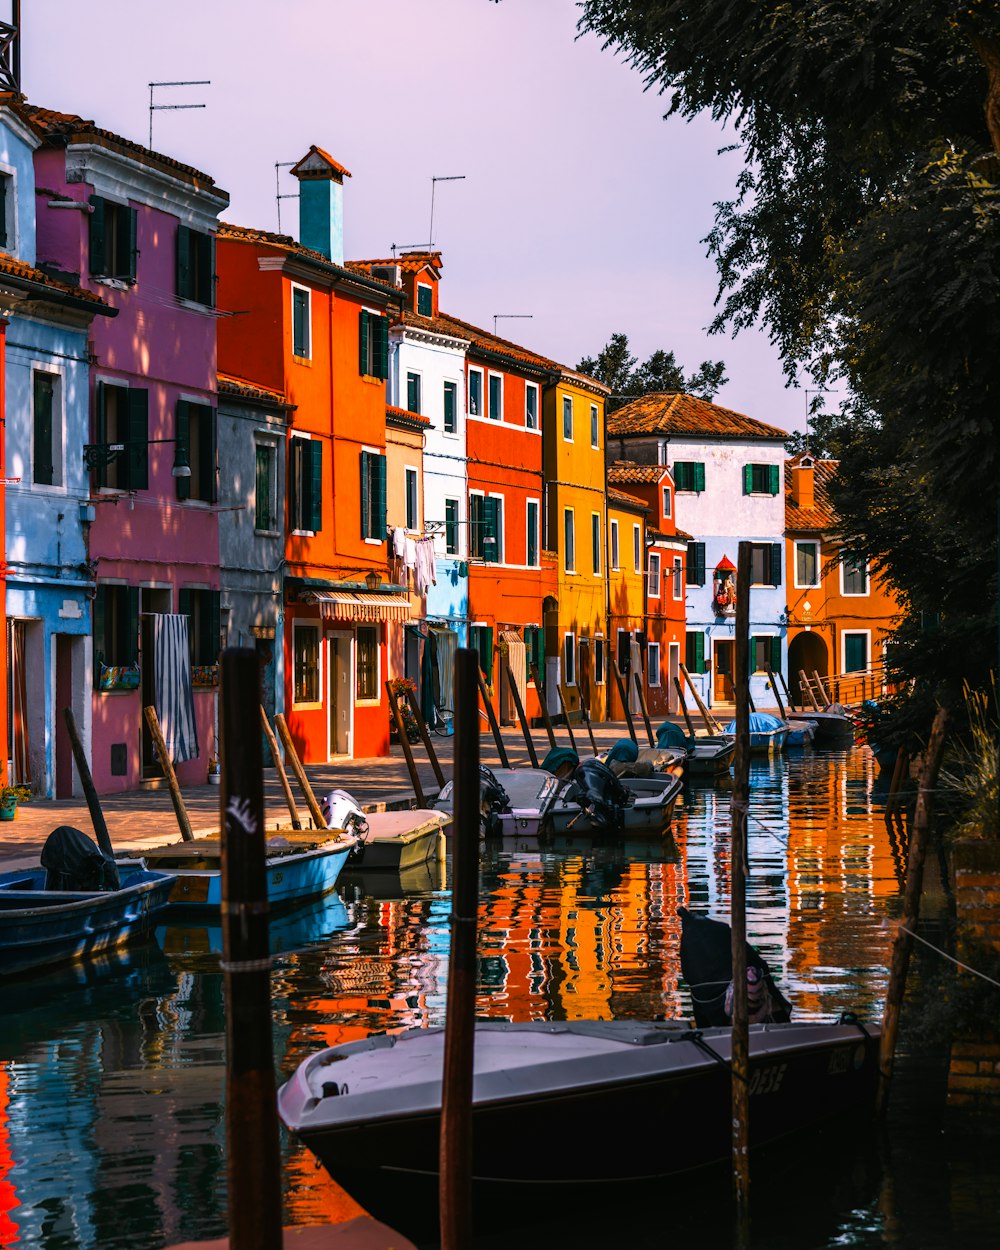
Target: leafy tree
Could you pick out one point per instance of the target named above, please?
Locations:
(617, 368)
(864, 234)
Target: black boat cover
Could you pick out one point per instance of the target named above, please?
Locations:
(707, 967)
(73, 862)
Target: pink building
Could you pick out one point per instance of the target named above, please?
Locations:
(139, 229)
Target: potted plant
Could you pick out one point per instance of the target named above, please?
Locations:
(10, 796)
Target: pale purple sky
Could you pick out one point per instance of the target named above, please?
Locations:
(581, 206)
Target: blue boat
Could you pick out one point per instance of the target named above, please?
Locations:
(768, 735)
(40, 927)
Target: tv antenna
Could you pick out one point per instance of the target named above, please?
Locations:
(280, 195)
(155, 108)
(510, 317)
(434, 181)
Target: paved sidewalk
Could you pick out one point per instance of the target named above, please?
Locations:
(146, 817)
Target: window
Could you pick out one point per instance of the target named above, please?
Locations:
(806, 564)
(696, 564)
(653, 663)
(532, 539)
(47, 429)
(412, 508)
(567, 407)
(8, 240)
(413, 392)
(451, 526)
(196, 266)
(595, 541)
(667, 500)
(569, 540)
(202, 608)
(534, 644)
(654, 575)
(265, 502)
(694, 651)
(624, 647)
(475, 392)
(530, 406)
(112, 239)
(301, 323)
(613, 538)
(481, 640)
(485, 528)
(689, 475)
(450, 408)
(373, 524)
(599, 661)
(765, 564)
(366, 665)
(425, 300)
(678, 588)
(195, 448)
(595, 426)
(855, 652)
(305, 485)
(305, 663)
(122, 414)
(765, 652)
(116, 627)
(637, 548)
(760, 479)
(496, 397)
(373, 345)
(569, 659)
(854, 578)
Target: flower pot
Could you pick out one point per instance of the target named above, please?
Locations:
(8, 807)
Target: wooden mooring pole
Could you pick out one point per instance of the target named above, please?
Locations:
(684, 707)
(425, 737)
(739, 804)
(911, 906)
(491, 716)
(543, 704)
(711, 724)
(624, 698)
(253, 1161)
(565, 713)
(404, 742)
(279, 768)
(456, 1142)
(163, 755)
(585, 713)
(515, 694)
(643, 708)
(300, 773)
(89, 789)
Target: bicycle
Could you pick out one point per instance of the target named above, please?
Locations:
(443, 717)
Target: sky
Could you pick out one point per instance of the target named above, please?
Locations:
(581, 208)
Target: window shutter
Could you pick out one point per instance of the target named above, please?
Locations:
(624, 652)
(98, 263)
(366, 503)
(184, 262)
(129, 268)
(363, 342)
(209, 476)
(185, 607)
(699, 476)
(131, 649)
(383, 345)
(748, 479)
(486, 659)
(491, 550)
(775, 654)
(210, 272)
(314, 521)
(42, 468)
(295, 484)
(137, 456)
(775, 564)
(379, 518)
(204, 247)
(211, 626)
(772, 479)
(101, 429)
(699, 652)
(696, 564)
(182, 447)
(98, 627)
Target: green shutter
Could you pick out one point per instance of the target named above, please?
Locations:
(699, 476)
(695, 564)
(42, 468)
(211, 627)
(315, 489)
(772, 479)
(208, 487)
(366, 501)
(775, 654)
(205, 247)
(748, 479)
(383, 344)
(131, 648)
(294, 493)
(775, 564)
(182, 448)
(184, 262)
(137, 455)
(98, 261)
(380, 503)
(185, 606)
(491, 550)
(486, 655)
(363, 343)
(699, 650)
(101, 429)
(98, 619)
(128, 269)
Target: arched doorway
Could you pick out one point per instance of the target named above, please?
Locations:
(808, 651)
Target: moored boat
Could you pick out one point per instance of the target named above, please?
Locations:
(801, 731)
(515, 802)
(708, 757)
(387, 841)
(595, 801)
(768, 734)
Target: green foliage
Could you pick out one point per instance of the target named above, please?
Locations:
(618, 369)
(21, 794)
(971, 770)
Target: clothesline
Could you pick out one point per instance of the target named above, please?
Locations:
(414, 555)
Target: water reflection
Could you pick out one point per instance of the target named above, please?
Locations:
(111, 1077)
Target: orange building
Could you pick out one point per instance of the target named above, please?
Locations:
(839, 612)
(315, 330)
(627, 518)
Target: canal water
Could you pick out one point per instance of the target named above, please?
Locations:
(111, 1075)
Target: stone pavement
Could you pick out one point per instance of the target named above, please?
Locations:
(146, 817)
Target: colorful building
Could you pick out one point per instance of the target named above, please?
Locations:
(315, 330)
(411, 554)
(626, 608)
(839, 612)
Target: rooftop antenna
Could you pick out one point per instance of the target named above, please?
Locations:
(434, 181)
(510, 317)
(153, 108)
(407, 247)
(280, 195)
(10, 50)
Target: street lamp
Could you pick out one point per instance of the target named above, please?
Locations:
(99, 455)
(373, 580)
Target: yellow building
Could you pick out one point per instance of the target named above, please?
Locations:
(576, 529)
(404, 514)
(626, 607)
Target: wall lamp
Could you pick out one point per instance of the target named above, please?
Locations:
(98, 455)
(373, 580)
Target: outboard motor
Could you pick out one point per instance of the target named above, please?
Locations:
(600, 794)
(340, 811)
(493, 799)
(707, 967)
(73, 862)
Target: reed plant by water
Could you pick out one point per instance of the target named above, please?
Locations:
(972, 769)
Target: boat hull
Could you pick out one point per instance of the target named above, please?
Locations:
(399, 841)
(40, 927)
(525, 1121)
(650, 814)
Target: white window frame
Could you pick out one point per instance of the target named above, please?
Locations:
(456, 432)
(613, 544)
(59, 486)
(599, 571)
(457, 553)
(293, 287)
(854, 594)
(568, 399)
(10, 209)
(305, 436)
(571, 513)
(298, 626)
(418, 374)
(502, 527)
(531, 388)
(569, 653)
(844, 634)
(408, 470)
(677, 572)
(377, 626)
(264, 438)
(805, 542)
(490, 375)
(538, 531)
(666, 499)
(637, 548)
(601, 641)
(483, 398)
(652, 670)
(595, 427)
(654, 581)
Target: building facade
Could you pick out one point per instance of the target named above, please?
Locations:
(626, 610)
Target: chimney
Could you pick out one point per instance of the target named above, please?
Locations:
(803, 492)
(321, 203)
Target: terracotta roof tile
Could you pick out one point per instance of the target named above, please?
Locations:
(673, 412)
(623, 471)
(408, 262)
(14, 268)
(242, 389)
(317, 151)
(285, 243)
(404, 414)
(445, 324)
(629, 501)
(822, 516)
(680, 536)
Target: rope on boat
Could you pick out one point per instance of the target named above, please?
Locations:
(957, 962)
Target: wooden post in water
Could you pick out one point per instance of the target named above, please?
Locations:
(774, 686)
(456, 1143)
(788, 693)
(684, 707)
(279, 767)
(425, 737)
(804, 684)
(911, 906)
(89, 790)
(404, 742)
(624, 698)
(565, 712)
(711, 724)
(300, 773)
(740, 1049)
(519, 707)
(640, 694)
(585, 713)
(543, 701)
(492, 718)
(187, 833)
(253, 1161)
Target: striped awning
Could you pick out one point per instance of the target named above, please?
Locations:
(349, 605)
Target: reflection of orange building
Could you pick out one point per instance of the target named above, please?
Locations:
(839, 611)
(8, 1194)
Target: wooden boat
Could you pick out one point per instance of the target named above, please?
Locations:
(596, 802)
(302, 864)
(801, 732)
(708, 757)
(768, 735)
(515, 802)
(387, 841)
(39, 927)
(834, 728)
(545, 1093)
